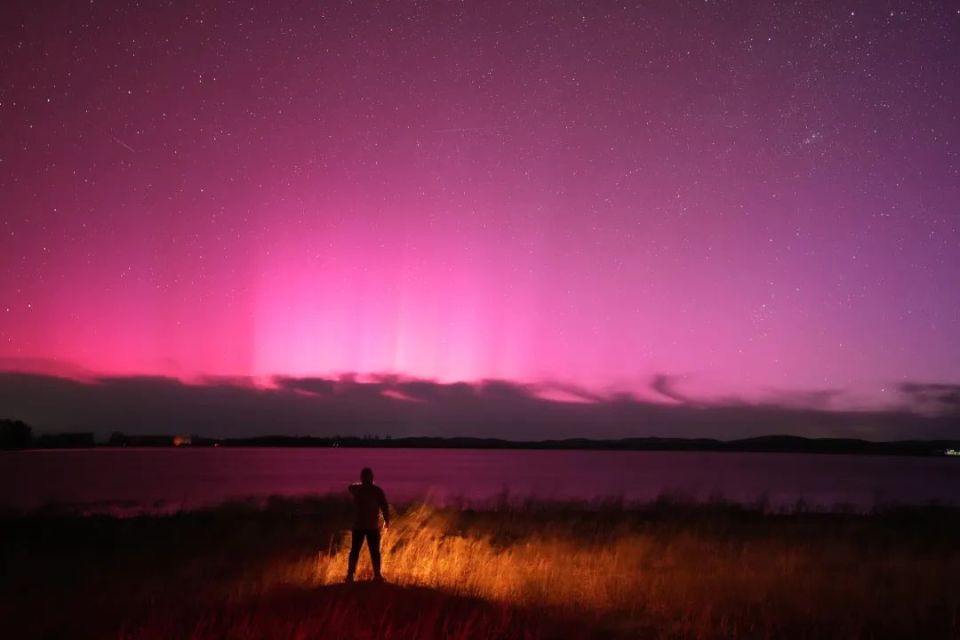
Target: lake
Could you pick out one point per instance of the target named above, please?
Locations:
(120, 480)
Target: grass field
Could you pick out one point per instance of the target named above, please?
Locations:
(539, 570)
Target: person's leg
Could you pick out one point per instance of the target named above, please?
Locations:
(373, 543)
(356, 542)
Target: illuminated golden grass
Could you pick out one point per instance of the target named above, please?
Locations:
(682, 582)
(658, 571)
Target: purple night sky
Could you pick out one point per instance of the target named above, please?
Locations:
(751, 198)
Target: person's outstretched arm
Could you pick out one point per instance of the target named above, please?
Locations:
(353, 488)
(385, 508)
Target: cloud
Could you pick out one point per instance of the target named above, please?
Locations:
(666, 386)
(317, 386)
(398, 406)
(935, 398)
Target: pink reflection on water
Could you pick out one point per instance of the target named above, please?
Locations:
(159, 480)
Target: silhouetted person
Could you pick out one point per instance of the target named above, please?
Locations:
(369, 500)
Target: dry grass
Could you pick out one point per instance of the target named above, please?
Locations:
(547, 570)
(679, 581)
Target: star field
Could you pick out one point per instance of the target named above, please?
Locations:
(751, 196)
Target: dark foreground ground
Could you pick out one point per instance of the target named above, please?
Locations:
(541, 570)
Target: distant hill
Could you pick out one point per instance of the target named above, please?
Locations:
(771, 444)
(19, 435)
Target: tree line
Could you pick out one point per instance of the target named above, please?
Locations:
(16, 434)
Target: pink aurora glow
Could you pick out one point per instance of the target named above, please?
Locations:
(593, 194)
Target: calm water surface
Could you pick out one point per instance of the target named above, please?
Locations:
(165, 479)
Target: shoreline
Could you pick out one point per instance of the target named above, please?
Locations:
(763, 444)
